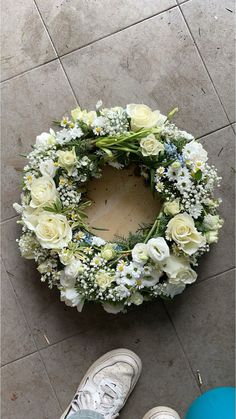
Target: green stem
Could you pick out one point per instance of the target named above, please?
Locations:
(153, 228)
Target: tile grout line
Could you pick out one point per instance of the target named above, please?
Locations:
(212, 132)
(34, 340)
(58, 57)
(210, 278)
(55, 50)
(182, 348)
(202, 60)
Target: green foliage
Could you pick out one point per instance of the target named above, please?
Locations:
(131, 240)
(197, 175)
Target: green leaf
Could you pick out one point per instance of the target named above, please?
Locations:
(197, 175)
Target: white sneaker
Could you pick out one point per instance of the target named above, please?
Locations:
(107, 384)
(161, 412)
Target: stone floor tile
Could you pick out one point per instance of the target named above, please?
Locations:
(26, 391)
(49, 319)
(212, 25)
(29, 104)
(16, 338)
(204, 320)
(154, 62)
(25, 42)
(165, 379)
(84, 22)
(221, 151)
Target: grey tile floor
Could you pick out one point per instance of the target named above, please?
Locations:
(162, 52)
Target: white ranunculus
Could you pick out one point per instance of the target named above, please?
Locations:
(108, 251)
(174, 289)
(66, 256)
(212, 222)
(178, 270)
(74, 268)
(143, 117)
(113, 308)
(45, 140)
(182, 230)
(140, 253)
(136, 298)
(67, 160)
(43, 191)
(158, 249)
(98, 241)
(194, 152)
(48, 168)
(172, 207)
(67, 281)
(72, 298)
(103, 279)
(150, 146)
(52, 230)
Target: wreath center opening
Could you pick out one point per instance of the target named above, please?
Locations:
(121, 203)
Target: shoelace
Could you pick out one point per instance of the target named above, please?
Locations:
(106, 399)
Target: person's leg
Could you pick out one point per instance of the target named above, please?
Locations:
(86, 414)
(105, 387)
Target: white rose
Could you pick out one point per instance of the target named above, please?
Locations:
(53, 230)
(43, 191)
(103, 279)
(67, 160)
(136, 298)
(71, 298)
(98, 241)
(48, 168)
(194, 152)
(178, 270)
(174, 289)
(45, 140)
(150, 146)
(140, 253)
(74, 269)
(182, 230)
(172, 207)
(113, 308)
(143, 117)
(212, 222)
(158, 249)
(212, 236)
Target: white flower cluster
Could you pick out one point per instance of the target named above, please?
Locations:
(56, 234)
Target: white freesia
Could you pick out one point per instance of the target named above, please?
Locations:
(212, 236)
(194, 152)
(72, 298)
(182, 230)
(48, 168)
(150, 146)
(178, 270)
(143, 117)
(45, 140)
(74, 269)
(53, 230)
(43, 191)
(67, 160)
(158, 249)
(18, 208)
(140, 253)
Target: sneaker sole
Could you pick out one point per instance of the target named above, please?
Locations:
(151, 414)
(103, 358)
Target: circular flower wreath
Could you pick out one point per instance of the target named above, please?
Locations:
(157, 260)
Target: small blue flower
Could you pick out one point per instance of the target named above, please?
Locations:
(171, 150)
(88, 238)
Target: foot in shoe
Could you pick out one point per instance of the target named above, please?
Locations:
(161, 412)
(107, 384)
